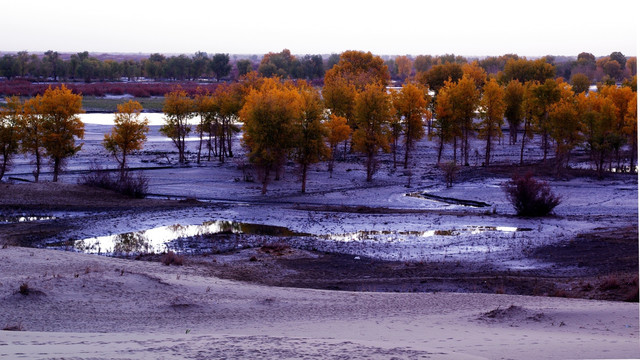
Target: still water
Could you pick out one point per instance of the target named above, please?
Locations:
(221, 236)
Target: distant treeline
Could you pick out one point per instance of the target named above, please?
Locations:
(202, 67)
(26, 88)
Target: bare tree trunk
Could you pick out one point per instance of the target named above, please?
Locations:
(395, 148)
(440, 147)
(181, 154)
(344, 153)
(331, 160)
(455, 149)
(545, 145)
(265, 180)
(407, 146)
(632, 160)
(466, 148)
(3, 168)
(123, 165)
(487, 154)
(222, 149)
(370, 159)
(304, 178)
(209, 146)
(524, 138)
(36, 173)
(229, 143)
(200, 144)
(56, 169)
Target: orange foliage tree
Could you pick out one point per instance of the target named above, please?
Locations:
(32, 132)
(404, 65)
(269, 114)
(207, 109)
(410, 104)
(465, 98)
(475, 72)
(309, 146)
(565, 128)
(9, 131)
(59, 108)
(514, 98)
(631, 130)
(339, 97)
(338, 131)
(492, 113)
(128, 133)
(229, 100)
(359, 69)
(178, 108)
(446, 128)
(372, 114)
(354, 71)
(544, 96)
(621, 97)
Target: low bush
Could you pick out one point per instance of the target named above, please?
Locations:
(98, 177)
(450, 170)
(17, 327)
(135, 186)
(24, 289)
(529, 196)
(171, 258)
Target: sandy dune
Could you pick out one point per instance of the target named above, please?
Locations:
(90, 307)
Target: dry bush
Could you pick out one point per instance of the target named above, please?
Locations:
(450, 170)
(24, 289)
(17, 327)
(634, 294)
(276, 248)
(97, 177)
(171, 258)
(529, 196)
(610, 283)
(135, 186)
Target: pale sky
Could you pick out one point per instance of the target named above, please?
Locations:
(391, 27)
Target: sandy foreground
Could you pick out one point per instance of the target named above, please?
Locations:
(90, 307)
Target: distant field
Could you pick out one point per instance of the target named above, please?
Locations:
(106, 104)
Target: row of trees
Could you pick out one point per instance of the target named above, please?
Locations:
(81, 66)
(45, 126)
(602, 122)
(292, 120)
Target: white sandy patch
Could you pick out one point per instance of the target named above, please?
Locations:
(90, 307)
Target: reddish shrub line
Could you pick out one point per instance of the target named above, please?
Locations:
(136, 89)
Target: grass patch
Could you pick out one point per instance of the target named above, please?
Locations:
(106, 105)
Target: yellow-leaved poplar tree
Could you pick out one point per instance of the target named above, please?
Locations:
(32, 132)
(128, 133)
(492, 113)
(178, 108)
(338, 131)
(372, 115)
(410, 105)
(9, 131)
(61, 126)
(268, 115)
(309, 146)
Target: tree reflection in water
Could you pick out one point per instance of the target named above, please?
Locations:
(133, 242)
